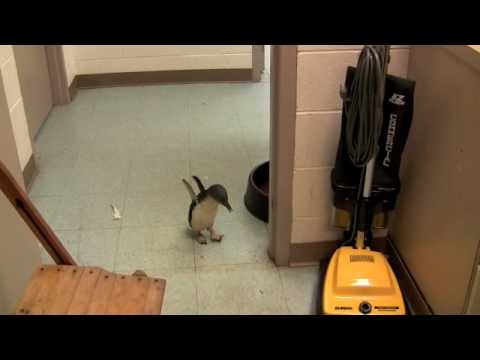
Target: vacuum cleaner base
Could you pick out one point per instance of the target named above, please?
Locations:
(360, 281)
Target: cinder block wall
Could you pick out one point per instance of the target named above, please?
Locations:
(320, 71)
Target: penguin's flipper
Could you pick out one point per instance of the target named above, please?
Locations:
(190, 191)
(199, 183)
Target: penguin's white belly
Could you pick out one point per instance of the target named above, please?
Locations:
(203, 215)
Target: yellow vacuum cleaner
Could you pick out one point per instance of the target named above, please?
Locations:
(358, 280)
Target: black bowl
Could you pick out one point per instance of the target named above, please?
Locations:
(256, 197)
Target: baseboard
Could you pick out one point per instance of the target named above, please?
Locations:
(258, 62)
(30, 172)
(157, 77)
(88, 81)
(414, 299)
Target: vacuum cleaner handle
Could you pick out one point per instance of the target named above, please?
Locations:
(369, 173)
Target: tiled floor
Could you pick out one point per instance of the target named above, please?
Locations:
(130, 147)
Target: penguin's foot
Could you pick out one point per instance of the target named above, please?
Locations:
(201, 239)
(214, 236)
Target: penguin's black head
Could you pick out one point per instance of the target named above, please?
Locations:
(219, 193)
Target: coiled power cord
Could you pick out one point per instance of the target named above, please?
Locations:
(363, 105)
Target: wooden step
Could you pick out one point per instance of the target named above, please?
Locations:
(76, 290)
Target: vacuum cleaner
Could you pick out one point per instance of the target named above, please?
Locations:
(376, 118)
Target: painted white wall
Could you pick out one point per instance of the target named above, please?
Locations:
(100, 59)
(13, 93)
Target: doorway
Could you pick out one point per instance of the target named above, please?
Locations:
(129, 147)
(33, 75)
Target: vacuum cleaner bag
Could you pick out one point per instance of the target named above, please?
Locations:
(397, 119)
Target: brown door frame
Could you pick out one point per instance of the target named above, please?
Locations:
(58, 74)
(283, 87)
(283, 106)
(258, 62)
(20, 56)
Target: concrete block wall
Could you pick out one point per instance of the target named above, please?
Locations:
(320, 71)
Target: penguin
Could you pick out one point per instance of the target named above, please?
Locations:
(203, 209)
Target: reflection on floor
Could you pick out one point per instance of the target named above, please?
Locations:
(130, 147)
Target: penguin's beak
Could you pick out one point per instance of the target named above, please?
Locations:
(227, 205)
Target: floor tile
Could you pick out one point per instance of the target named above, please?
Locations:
(216, 132)
(65, 158)
(180, 292)
(68, 126)
(73, 212)
(168, 208)
(113, 157)
(243, 243)
(52, 182)
(166, 99)
(170, 147)
(97, 211)
(247, 289)
(115, 130)
(156, 174)
(69, 213)
(109, 178)
(98, 248)
(87, 96)
(125, 100)
(300, 288)
(154, 248)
